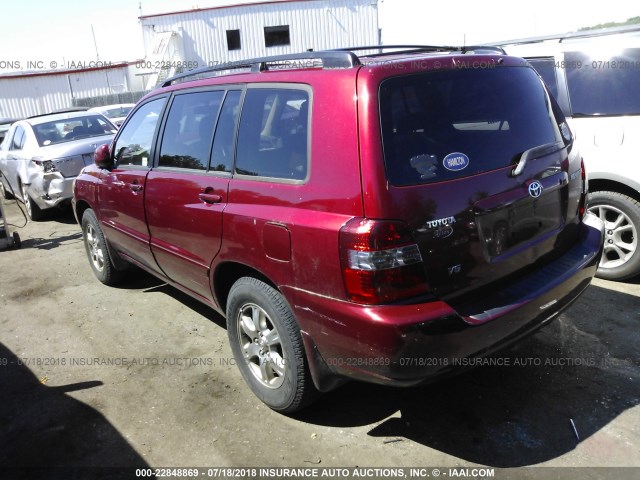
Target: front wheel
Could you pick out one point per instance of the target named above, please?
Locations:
(97, 251)
(267, 345)
(621, 216)
(17, 243)
(33, 210)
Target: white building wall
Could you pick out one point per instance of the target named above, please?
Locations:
(25, 95)
(317, 24)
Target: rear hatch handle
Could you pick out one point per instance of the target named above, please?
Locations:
(535, 152)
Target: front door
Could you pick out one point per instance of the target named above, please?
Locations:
(187, 193)
(122, 191)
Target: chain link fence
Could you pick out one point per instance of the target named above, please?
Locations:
(112, 99)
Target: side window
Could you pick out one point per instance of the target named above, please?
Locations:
(605, 81)
(273, 135)
(189, 130)
(222, 159)
(277, 36)
(233, 40)
(547, 70)
(19, 138)
(134, 143)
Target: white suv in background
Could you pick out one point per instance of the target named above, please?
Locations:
(595, 76)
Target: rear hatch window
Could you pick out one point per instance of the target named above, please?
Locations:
(445, 125)
(481, 175)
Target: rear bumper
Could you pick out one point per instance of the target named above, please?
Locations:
(409, 344)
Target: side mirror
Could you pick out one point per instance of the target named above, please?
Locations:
(102, 157)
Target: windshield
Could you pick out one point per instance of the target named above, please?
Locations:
(443, 125)
(69, 129)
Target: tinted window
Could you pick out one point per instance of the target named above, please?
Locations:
(69, 129)
(276, 36)
(547, 70)
(19, 138)
(449, 124)
(189, 130)
(273, 136)
(222, 158)
(233, 39)
(133, 146)
(604, 84)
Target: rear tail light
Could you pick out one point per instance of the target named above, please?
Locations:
(46, 165)
(582, 206)
(381, 262)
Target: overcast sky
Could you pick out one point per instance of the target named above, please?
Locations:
(61, 30)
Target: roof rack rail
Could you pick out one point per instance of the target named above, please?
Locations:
(329, 59)
(598, 32)
(423, 48)
(335, 58)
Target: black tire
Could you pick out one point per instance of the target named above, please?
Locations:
(17, 243)
(97, 251)
(621, 214)
(34, 212)
(275, 366)
(4, 193)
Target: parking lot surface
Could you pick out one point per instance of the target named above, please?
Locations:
(142, 375)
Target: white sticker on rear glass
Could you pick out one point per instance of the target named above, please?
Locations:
(455, 161)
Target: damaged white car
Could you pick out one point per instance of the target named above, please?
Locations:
(41, 156)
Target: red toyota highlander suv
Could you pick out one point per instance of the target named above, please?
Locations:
(384, 217)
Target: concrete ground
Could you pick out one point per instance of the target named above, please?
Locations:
(142, 375)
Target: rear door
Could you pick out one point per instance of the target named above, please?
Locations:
(121, 193)
(481, 168)
(187, 192)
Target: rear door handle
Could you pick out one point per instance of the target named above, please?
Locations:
(210, 198)
(135, 187)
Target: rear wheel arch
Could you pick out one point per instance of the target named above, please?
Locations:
(621, 213)
(602, 185)
(227, 273)
(267, 345)
(34, 212)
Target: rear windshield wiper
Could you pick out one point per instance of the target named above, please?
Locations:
(535, 152)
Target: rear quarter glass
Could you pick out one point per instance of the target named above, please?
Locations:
(443, 125)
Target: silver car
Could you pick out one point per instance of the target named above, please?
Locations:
(115, 113)
(41, 156)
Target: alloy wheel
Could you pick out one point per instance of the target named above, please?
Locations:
(620, 236)
(260, 344)
(26, 201)
(95, 250)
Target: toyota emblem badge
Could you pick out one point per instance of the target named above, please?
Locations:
(535, 189)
